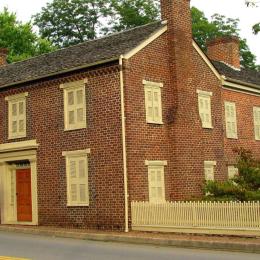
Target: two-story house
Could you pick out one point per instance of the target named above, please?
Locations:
(139, 115)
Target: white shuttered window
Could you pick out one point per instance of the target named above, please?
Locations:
(153, 102)
(232, 172)
(256, 111)
(17, 116)
(77, 178)
(74, 105)
(209, 170)
(204, 101)
(231, 120)
(156, 181)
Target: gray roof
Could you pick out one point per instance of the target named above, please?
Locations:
(111, 46)
(245, 75)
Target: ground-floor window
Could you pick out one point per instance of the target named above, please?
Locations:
(209, 170)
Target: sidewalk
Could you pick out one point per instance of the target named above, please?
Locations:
(230, 243)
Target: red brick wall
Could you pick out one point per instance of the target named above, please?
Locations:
(45, 123)
(245, 124)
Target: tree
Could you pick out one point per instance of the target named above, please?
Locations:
(68, 22)
(19, 38)
(254, 3)
(243, 187)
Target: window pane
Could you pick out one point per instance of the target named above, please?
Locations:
(73, 192)
(71, 117)
(82, 168)
(82, 192)
(73, 169)
(80, 115)
(14, 109)
(21, 108)
(21, 125)
(149, 94)
(71, 98)
(14, 126)
(80, 96)
(156, 98)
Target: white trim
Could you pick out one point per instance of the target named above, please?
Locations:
(152, 83)
(239, 87)
(73, 84)
(204, 93)
(142, 45)
(210, 163)
(17, 146)
(206, 59)
(18, 96)
(156, 163)
(123, 125)
(76, 153)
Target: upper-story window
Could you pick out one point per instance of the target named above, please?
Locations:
(74, 105)
(256, 111)
(231, 120)
(17, 115)
(153, 102)
(204, 100)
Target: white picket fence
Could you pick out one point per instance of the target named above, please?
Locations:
(197, 217)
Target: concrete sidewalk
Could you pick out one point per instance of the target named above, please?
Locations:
(242, 244)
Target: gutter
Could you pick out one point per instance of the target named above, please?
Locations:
(124, 140)
(241, 82)
(61, 72)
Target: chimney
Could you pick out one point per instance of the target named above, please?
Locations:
(225, 49)
(3, 56)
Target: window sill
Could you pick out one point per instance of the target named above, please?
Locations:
(77, 205)
(75, 128)
(232, 138)
(155, 123)
(16, 137)
(207, 127)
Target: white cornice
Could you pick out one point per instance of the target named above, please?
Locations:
(18, 146)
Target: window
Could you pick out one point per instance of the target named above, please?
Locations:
(204, 99)
(77, 177)
(74, 105)
(232, 172)
(209, 170)
(231, 120)
(256, 111)
(17, 116)
(156, 181)
(153, 102)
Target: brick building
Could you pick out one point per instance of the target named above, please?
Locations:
(135, 116)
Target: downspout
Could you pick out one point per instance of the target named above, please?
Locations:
(124, 140)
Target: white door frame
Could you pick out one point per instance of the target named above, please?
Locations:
(7, 194)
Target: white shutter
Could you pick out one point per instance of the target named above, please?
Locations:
(205, 110)
(149, 104)
(231, 120)
(256, 111)
(209, 173)
(157, 103)
(232, 172)
(156, 184)
(77, 181)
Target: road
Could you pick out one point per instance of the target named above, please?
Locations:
(50, 248)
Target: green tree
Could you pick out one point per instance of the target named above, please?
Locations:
(68, 22)
(19, 38)
(243, 187)
(254, 3)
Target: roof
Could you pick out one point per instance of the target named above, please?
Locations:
(90, 52)
(244, 75)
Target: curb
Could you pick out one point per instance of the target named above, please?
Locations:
(209, 245)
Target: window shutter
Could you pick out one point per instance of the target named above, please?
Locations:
(209, 173)
(232, 172)
(231, 121)
(149, 104)
(205, 110)
(257, 122)
(157, 111)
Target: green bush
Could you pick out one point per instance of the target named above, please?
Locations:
(244, 187)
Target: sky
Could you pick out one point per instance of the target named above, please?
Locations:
(230, 8)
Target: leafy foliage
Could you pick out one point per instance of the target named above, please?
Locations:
(19, 38)
(244, 187)
(254, 3)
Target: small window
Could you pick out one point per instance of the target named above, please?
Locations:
(156, 181)
(231, 120)
(209, 170)
(256, 111)
(17, 116)
(77, 178)
(204, 100)
(74, 105)
(232, 172)
(153, 102)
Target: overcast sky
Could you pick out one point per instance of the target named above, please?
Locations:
(230, 8)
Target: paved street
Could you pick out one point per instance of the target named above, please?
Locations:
(42, 248)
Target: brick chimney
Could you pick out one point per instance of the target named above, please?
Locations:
(3, 56)
(225, 49)
(185, 128)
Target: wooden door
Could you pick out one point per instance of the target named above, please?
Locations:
(24, 195)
